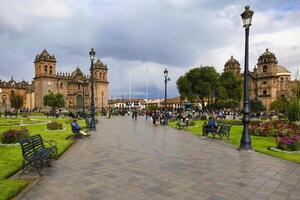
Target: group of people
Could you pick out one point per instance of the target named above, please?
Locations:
(183, 119)
(134, 114)
(159, 117)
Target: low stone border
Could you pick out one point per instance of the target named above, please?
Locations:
(9, 145)
(279, 150)
(64, 129)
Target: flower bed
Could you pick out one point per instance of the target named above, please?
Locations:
(14, 135)
(274, 128)
(288, 142)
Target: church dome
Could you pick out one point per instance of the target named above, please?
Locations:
(45, 56)
(77, 74)
(231, 64)
(232, 61)
(100, 65)
(267, 57)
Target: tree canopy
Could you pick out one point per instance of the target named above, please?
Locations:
(206, 85)
(16, 101)
(54, 100)
(280, 105)
(256, 106)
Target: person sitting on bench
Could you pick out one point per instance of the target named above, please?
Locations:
(77, 129)
(211, 126)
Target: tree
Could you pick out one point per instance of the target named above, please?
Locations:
(205, 84)
(54, 101)
(16, 101)
(231, 85)
(256, 105)
(184, 88)
(199, 83)
(279, 105)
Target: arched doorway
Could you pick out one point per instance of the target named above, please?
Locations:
(79, 102)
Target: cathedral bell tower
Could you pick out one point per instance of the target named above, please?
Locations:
(267, 64)
(45, 77)
(101, 85)
(234, 66)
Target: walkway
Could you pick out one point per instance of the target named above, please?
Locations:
(132, 160)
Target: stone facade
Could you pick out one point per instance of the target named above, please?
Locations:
(268, 81)
(74, 86)
(23, 89)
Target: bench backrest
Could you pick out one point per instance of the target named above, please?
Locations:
(225, 128)
(27, 147)
(38, 142)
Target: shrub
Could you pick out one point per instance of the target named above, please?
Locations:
(24, 115)
(54, 126)
(293, 109)
(288, 142)
(14, 135)
(192, 123)
(231, 122)
(203, 117)
(254, 128)
(172, 120)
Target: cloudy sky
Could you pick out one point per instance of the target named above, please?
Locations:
(131, 36)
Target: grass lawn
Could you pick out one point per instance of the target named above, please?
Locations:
(11, 157)
(259, 144)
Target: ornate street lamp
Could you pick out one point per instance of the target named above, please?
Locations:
(92, 124)
(166, 81)
(246, 140)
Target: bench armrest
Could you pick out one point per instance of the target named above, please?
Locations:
(52, 143)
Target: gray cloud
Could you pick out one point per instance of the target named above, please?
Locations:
(129, 35)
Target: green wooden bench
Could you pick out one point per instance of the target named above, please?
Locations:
(221, 131)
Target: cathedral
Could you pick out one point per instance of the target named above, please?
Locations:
(268, 81)
(74, 86)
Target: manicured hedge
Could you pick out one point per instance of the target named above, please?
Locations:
(54, 126)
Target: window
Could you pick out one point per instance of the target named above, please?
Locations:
(282, 79)
(265, 68)
(61, 85)
(265, 83)
(50, 71)
(264, 92)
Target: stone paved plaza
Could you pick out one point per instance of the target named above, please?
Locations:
(127, 159)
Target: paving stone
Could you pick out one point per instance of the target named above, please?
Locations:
(126, 159)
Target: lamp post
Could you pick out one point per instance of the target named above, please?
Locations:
(102, 93)
(166, 81)
(246, 140)
(92, 124)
